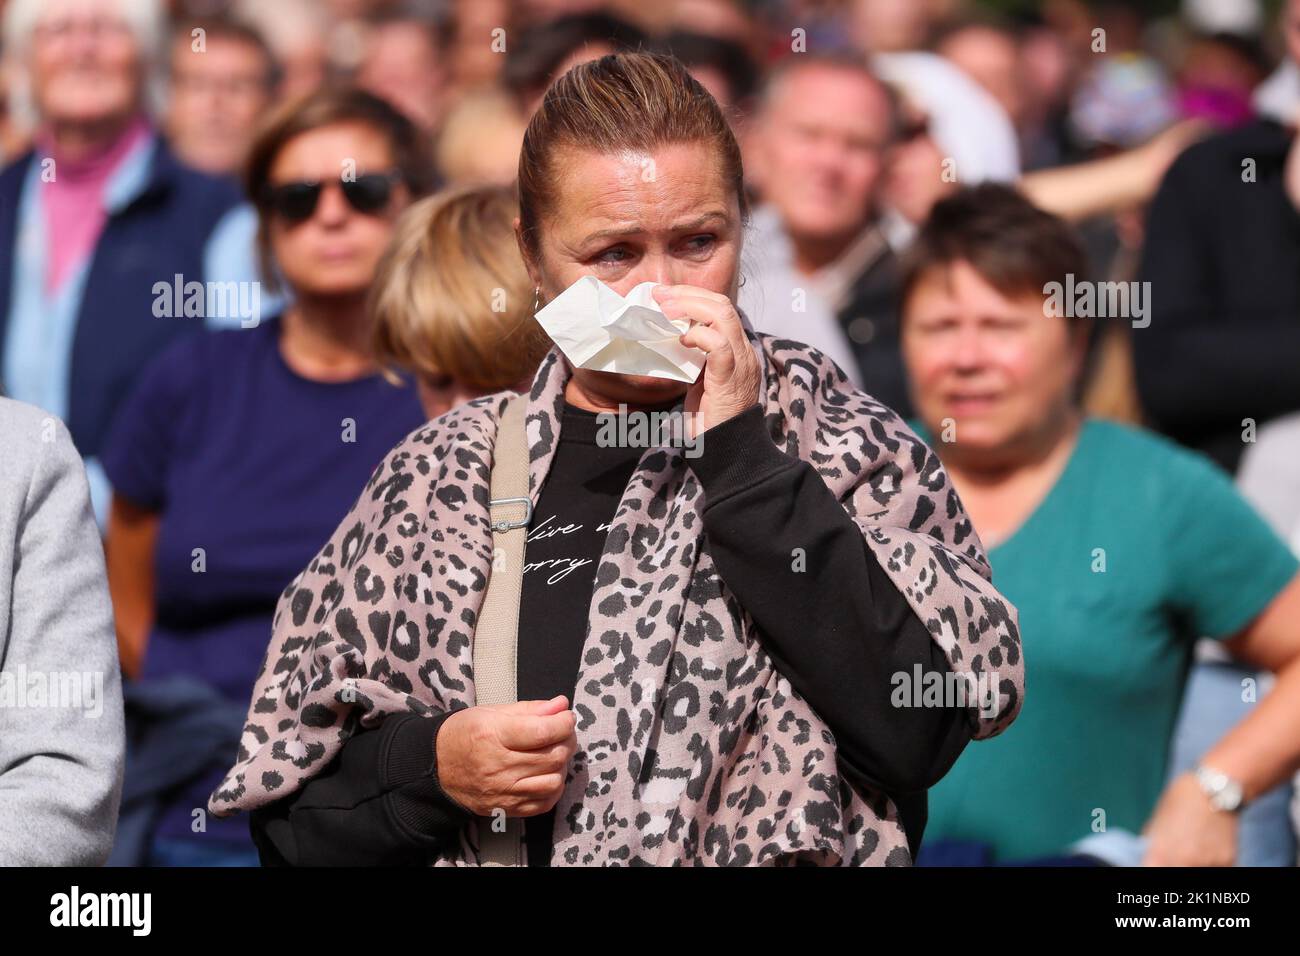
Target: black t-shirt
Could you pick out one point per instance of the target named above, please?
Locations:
(565, 540)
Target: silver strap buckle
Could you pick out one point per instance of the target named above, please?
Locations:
(506, 525)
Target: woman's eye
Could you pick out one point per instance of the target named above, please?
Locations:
(614, 255)
(700, 243)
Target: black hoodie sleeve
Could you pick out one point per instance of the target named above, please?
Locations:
(836, 627)
(378, 803)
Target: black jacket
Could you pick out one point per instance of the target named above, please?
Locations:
(1222, 255)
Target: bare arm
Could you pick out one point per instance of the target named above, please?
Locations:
(132, 537)
(1264, 749)
(1107, 185)
(1260, 752)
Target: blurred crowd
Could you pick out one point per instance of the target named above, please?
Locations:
(246, 246)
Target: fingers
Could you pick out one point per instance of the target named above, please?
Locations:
(722, 358)
(715, 327)
(538, 708)
(554, 757)
(539, 787)
(535, 731)
(539, 778)
(510, 757)
(537, 795)
(664, 290)
(701, 307)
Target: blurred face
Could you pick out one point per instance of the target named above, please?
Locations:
(991, 59)
(474, 63)
(716, 82)
(335, 251)
(402, 67)
(217, 96)
(591, 50)
(668, 217)
(882, 26)
(85, 68)
(915, 180)
(818, 151)
(1045, 66)
(303, 65)
(997, 369)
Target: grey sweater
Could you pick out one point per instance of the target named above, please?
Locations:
(61, 728)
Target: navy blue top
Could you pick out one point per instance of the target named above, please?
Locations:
(161, 233)
(251, 467)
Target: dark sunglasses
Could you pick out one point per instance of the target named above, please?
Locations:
(296, 202)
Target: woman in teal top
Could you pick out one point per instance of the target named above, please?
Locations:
(1118, 548)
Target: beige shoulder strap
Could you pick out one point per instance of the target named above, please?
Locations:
(496, 636)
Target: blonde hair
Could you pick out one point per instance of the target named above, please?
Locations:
(451, 295)
(480, 137)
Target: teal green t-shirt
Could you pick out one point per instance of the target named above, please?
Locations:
(1138, 549)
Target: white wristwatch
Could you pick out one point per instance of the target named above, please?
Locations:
(1224, 792)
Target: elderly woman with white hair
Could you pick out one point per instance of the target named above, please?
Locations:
(95, 217)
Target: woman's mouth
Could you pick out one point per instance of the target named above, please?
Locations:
(971, 403)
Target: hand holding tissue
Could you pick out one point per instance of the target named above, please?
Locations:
(598, 329)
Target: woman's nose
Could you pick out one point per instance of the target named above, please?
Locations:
(659, 268)
(332, 207)
(969, 349)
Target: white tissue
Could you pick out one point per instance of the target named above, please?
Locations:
(598, 329)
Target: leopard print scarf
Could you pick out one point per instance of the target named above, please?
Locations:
(692, 748)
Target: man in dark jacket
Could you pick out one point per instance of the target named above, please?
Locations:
(823, 272)
(93, 221)
(1221, 355)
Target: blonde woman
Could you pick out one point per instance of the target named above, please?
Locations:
(452, 302)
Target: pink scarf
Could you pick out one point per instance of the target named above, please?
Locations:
(73, 201)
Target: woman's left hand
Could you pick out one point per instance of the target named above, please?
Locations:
(730, 381)
(1186, 830)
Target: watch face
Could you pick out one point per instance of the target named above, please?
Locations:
(1223, 791)
(1231, 796)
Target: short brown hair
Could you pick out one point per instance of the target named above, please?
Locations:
(622, 101)
(235, 30)
(1015, 246)
(330, 106)
(451, 295)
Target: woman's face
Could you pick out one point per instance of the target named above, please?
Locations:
(991, 374)
(667, 216)
(336, 250)
(915, 175)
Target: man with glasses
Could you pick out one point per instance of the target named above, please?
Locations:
(223, 78)
(93, 217)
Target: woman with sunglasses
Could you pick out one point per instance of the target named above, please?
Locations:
(241, 449)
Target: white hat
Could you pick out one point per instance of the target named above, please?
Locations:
(1243, 18)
